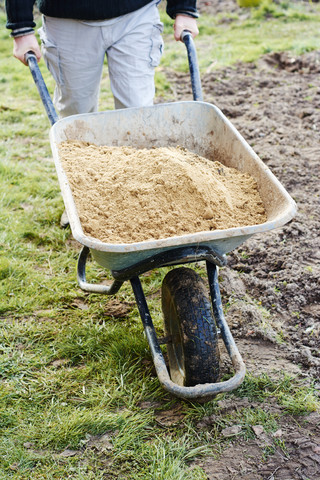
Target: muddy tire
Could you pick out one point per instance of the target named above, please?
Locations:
(188, 321)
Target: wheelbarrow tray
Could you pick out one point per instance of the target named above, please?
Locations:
(198, 126)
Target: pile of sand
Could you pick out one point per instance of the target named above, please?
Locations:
(125, 195)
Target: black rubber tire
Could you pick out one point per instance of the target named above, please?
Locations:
(193, 351)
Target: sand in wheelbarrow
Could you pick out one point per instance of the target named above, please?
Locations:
(127, 195)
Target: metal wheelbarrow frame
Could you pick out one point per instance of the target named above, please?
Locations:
(129, 261)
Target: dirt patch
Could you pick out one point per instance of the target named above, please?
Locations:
(262, 357)
(213, 7)
(291, 452)
(270, 287)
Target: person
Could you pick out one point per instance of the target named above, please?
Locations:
(77, 34)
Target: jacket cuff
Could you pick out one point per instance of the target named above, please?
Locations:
(187, 14)
(21, 32)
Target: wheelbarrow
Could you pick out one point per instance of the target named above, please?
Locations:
(193, 320)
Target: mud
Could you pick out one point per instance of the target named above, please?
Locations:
(270, 287)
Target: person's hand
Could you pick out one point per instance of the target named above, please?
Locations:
(184, 22)
(22, 45)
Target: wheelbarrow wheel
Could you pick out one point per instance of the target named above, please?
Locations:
(193, 351)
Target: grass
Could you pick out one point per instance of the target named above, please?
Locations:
(70, 370)
(226, 39)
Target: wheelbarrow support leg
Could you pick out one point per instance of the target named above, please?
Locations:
(225, 332)
(91, 287)
(149, 330)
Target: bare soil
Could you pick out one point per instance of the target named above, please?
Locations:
(272, 281)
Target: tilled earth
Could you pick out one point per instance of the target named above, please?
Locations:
(271, 285)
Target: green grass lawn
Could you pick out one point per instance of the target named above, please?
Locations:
(70, 368)
(226, 38)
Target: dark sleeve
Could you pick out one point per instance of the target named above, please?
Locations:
(182, 6)
(19, 14)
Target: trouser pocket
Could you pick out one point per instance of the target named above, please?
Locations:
(50, 54)
(156, 50)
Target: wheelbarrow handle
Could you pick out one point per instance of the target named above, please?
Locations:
(31, 60)
(187, 39)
